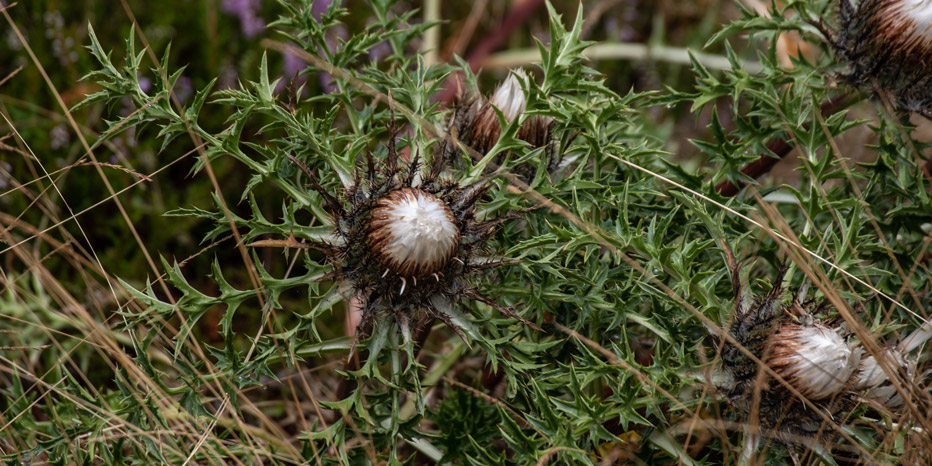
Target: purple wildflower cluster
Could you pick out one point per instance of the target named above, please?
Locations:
(248, 13)
(319, 7)
(251, 25)
(64, 46)
(293, 65)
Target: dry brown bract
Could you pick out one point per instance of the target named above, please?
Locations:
(784, 337)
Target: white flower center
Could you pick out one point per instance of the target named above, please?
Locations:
(413, 232)
(815, 360)
(914, 17)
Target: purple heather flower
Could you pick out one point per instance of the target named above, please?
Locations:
(59, 137)
(145, 84)
(319, 8)
(184, 89)
(290, 68)
(380, 51)
(248, 13)
(326, 83)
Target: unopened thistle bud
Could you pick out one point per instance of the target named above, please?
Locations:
(413, 232)
(888, 44)
(477, 125)
(813, 359)
(482, 127)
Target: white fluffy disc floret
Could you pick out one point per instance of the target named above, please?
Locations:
(913, 18)
(509, 98)
(413, 232)
(813, 359)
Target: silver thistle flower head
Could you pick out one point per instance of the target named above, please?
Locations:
(407, 243)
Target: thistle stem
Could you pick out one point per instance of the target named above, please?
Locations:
(356, 359)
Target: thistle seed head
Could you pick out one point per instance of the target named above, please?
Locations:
(413, 232)
(813, 359)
